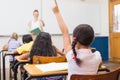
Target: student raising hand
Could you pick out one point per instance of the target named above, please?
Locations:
(80, 58)
(63, 28)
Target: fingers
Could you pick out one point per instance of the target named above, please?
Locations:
(55, 2)
(55, 8)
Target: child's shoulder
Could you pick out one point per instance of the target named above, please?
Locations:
(97, 54)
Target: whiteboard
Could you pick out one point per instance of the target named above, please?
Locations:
(15, 15)
(74, 12)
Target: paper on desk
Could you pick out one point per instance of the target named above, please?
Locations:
(52, 67)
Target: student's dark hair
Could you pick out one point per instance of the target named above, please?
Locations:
(27, 38)
(43, 46)
(84, 34)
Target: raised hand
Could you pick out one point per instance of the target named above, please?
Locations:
(63, 28)
(55, 7)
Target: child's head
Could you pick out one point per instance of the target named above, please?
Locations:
(27, 38)
(83, 34)
(14, 36)
(43, 46)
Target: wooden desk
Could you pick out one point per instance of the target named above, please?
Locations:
(92, 48)
(34, 72)
(8, 53)
(18, 62)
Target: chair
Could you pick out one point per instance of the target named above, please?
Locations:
(113, 75)
(46, 59)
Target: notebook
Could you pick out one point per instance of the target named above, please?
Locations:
(53, 66)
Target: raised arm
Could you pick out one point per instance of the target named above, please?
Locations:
(63, 28)
(58, 51)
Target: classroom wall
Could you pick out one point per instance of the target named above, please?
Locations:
(101, 45)
(104, 18)
(101, 42)
(104, 32)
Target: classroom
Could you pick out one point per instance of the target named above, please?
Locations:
(59, 40)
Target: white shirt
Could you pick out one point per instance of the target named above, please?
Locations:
(89, 62)
(12, 45)
(35, 24)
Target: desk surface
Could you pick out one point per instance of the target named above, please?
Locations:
(34, 71)
(92, 48)
(19, 60)
(9, 53)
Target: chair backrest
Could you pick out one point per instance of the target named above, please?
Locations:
(46, 59)
(113, 75)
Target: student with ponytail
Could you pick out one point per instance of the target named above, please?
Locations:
(80, 58)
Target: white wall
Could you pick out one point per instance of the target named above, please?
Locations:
(104, 18)
(57, 40)
(74, 12)
(15, 16)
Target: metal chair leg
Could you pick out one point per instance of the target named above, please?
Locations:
(28, 78)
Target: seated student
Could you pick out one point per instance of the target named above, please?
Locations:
(26, 47)
(27, 44)
(12, 44)
(80, 58)
(43, 47)
(42, 44)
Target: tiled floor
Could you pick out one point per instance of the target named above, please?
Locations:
(110, 65)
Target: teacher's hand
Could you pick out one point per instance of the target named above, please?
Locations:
(32, 33)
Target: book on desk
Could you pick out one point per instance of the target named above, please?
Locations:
(52, 66)
(59, 66)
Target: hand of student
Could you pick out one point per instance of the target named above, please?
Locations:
(55, 8)
(24, 56)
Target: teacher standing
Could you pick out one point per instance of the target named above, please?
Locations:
(35, 23)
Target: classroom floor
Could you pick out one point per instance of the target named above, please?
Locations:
(109, 65)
